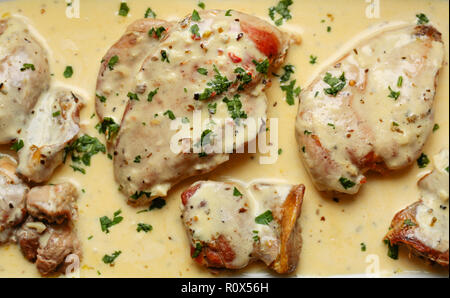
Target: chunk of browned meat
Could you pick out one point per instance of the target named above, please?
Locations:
(230, 226)
(12, 198)
(53, 203)
(57, 243)
(424, 226)
(28, 237)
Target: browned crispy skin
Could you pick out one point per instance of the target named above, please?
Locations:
(402, 234)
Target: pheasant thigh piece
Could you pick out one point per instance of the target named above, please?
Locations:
(210, 63)
(230, 226)
(372, 109)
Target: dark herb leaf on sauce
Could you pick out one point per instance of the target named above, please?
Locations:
(264, 218)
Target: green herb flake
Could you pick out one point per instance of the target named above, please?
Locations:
(280, 151)
(144, 227)
(262, 67)
(133, 96)
(68, 72)
(123, 9)
(392, 250)
(346, 183)
(156, 32)
(27, 66)
(291, 92)
(408, 222)
(393, 94)
(234, 107)
(423, 161)
(264, 218)
(255, 236)
(282, 9)
(78, 169)
(108, 127)
(312, 59)
(288, 71)
(236, 192)
(106, 223)
(56, 114)
(169, 114)
(151, 94)
(399, 81)
(217, 86)
(336, 83)
(197, 250)
(212, 108)
(113, 61)
(228, 13)
(100, 97)
(422, 19)
(157, 203)
(435, 127)
(195, 16)
(195, 30)
(138, 194)
(164, 56)
(109, 259)
(363, 246)
(149, 13)
(202, 71)
(137, 159)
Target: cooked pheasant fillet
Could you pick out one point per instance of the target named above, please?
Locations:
(230, 226)
(372, 109)
(423, 226)
(24, 75)
(211, 65)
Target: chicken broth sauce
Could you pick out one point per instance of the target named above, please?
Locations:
(333, 229)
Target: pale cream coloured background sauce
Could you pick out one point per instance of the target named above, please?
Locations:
(331, 245)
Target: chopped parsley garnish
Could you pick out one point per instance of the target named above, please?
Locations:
(108, 127)
(82, 150)
(435, 127)
(151, 94)
(212, 108)
(307, 132)
(282, 9)
(280, 151)
(202, 71)
(332, 125)
(197, 250)
(291, 91)
(262, 67)
(133, 96)
(56, 114)
(113, 61)
(336, 83)
(228, 13)
(255, 236)
(78, 169)
(27, 66)
(392, 250)
(156, 32)
(217, 86)
(346, 183)
(328, 29)
(144, 227)
(123, 9)
(17, 145)
(264, 218)
(195, 31)
(288, 70)
(201, 5)
(106, 223)
(100, 97)
(137, 159)
(139, 194)
(157, 203)
(363, 246)
(423, 161)
(236, 192)
(234, 107)
(68, 72)
(109, 259)
(312, 59)
(393, 94)
(408, 222)
(243, 77)
(205, 138)
(164, 56)
(149, 13)
(422, 19)
(399, 81)
(195, 16)
(169, 114)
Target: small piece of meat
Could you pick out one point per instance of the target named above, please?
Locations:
(53, 203)
(24, 75)
(12, 198)
(53, 124)
(424, 226)
(28, 237)
(219, 66)
(56, 244)
(224, 224)
(372, 110)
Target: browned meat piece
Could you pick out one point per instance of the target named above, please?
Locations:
(12, 198)
(28, 237)
(57, 243)
(424, 226)
(230, 226)
(52, 203)
(215, 61)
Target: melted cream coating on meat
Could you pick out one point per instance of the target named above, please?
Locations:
(222, 45)
(20, 86)
(381, 117)
(221, 218)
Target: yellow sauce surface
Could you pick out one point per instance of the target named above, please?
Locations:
(332, 231)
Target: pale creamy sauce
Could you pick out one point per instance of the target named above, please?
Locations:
(332, 231)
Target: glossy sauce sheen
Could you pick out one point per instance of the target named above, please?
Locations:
(332, 231)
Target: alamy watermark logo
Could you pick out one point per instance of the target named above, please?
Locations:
(373, 9)
(73, 9)
(225, 135)
(373, 267)
(73, 267)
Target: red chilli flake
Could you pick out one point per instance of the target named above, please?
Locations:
(234, 58)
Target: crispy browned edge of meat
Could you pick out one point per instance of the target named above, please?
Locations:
(401, 234)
